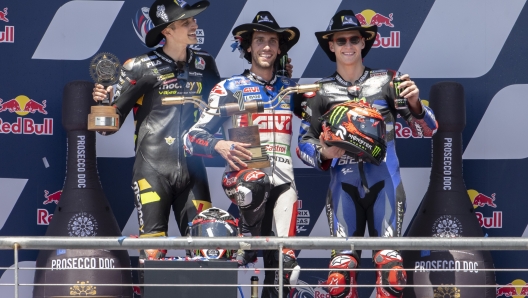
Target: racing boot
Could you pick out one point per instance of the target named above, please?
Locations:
(148, 254)
(339, 277)
(291, 270)
(388, 278)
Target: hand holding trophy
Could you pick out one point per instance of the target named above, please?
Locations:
(104, 70)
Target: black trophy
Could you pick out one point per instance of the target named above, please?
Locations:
(104, 70)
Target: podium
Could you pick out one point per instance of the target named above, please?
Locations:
(206, 274)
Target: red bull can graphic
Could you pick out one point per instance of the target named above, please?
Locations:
(52, 198)
(481, 200)
(23, 106)
(369, 17)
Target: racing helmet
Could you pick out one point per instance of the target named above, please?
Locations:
(214, 222)
(358, 128)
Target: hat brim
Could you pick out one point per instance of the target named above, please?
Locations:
(291, 34)
(368, 32)
(154, 35)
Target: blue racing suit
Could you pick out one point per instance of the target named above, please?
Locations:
(349, 207)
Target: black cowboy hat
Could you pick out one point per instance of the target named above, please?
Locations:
(164, 12)
(264, 21)
(345, 20)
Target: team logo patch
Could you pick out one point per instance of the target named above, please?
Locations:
(254, 176)
(170, 140)
(181, 3)
(199, 63)
(160, 13)
(348, 20)
(262, 19)
(251, 90)
(229, 180)
(219, 89)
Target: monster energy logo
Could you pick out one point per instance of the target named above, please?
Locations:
(363, 99)
(396, 85)
(376, 151)
(337, 114)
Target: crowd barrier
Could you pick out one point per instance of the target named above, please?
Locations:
(257, 243)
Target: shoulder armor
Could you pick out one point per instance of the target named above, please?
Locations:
(220, 88)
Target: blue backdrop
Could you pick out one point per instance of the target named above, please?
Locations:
(480, 44)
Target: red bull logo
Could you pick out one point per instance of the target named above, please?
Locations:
(516, 289)
(481, 200)
(3, 14)
(8, 35)
(52, 198)
(22, 106)
(404, 132)
(369, 17)
(43, 217)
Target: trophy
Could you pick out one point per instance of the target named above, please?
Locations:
(247, 134)
(104, 69)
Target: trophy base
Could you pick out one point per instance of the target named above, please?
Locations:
(103, 118)
(260, 159)
(252, 165)
(250, 135)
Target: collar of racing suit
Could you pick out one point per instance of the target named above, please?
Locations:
(160, 53)
(344, 82)
(259, 80)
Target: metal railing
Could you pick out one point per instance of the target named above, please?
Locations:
(261, 243)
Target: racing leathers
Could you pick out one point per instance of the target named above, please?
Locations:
(261, 194)
(163, 176)
(349, 205)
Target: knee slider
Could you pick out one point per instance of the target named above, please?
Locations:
(338, 277)
(249, 189)
(392, 275)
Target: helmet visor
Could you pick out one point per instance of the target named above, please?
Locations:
(215, 228)
(370, 127)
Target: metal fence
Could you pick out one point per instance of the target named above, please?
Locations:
(260, 243)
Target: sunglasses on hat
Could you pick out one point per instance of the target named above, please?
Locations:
(341, 41)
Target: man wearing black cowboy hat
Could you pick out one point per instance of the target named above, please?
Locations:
(360, 192)
(163, 176)
(262, 194)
